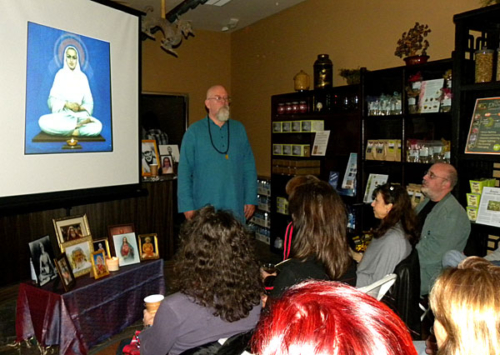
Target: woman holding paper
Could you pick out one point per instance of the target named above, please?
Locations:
(393, 239)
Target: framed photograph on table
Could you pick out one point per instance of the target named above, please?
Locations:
(64, 270)
(126, 249)
(150, 156)
(79, 255)
(102, 244)
(167, 165)
(148, 245)
(42, 256)
(99, 267)
(120, 229)
(71, 228)
(172, 150)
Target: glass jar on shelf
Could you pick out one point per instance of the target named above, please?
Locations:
(303, 106)
(281, 108)
(498, 65)
(295, 106)
(323, 72)
(484, 65)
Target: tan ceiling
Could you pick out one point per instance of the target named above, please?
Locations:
(214, 18)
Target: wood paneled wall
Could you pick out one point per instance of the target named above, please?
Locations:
(153, 213)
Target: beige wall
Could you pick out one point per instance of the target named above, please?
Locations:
(261, 60)
(204, 60)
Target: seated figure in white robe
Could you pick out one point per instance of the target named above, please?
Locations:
(70, 101)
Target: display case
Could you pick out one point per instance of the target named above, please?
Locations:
(476, 77)
(296, 119)
(407, 124)
(260, 223)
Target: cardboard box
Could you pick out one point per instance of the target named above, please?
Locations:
(286, 127)
(296, 126)
(277, 127)
(313, 126)
(301, 150)
(277, 149)
(287, 149)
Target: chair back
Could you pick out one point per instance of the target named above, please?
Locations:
(405, 295)
(379, 288)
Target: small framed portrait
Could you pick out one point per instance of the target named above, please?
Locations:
(99, 267)
(71, 228)
(42, 256)
(126, 249)
(63, 268)
(148, 245)
(150, 156)
(79, 255)
(167, 166)
(172, 150)
(102, 244)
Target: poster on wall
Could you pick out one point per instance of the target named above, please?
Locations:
(68, 92)
(484, 131)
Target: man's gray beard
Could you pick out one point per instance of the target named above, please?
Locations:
(223, 114)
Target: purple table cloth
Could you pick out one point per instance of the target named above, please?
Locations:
(89, 314)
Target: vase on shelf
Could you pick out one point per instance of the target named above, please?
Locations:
(416, 59)
(301, 81)
(323, 72)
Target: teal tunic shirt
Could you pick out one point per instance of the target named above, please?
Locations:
(206, 177)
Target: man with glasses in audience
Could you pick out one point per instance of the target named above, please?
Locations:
(216, 165)
(443, 222)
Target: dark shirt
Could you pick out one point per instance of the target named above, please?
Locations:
(423, 214)
(293, 271)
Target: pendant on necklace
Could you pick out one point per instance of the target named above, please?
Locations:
(227, 156)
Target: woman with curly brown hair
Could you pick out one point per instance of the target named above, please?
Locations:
(218, 283)
(393, 239)
(319, 248)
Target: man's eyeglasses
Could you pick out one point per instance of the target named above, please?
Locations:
(220, 98)
(434, 176)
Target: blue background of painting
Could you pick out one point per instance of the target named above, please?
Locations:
(41, 71)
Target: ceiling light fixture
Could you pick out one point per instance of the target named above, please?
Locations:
(230, 25)
(217, 2)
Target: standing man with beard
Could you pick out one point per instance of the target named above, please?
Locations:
(443, 222)
(217, 166)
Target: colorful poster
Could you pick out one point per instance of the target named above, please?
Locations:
(484, 131)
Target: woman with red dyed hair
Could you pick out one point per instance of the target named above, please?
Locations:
(322, 317)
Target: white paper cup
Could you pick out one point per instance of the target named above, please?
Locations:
(152, 303)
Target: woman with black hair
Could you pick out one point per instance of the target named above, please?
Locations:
(393, 239)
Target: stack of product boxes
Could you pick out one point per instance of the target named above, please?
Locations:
(474, 197)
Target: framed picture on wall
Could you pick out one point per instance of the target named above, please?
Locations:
(71, 228)
(63, 268)
(150, 156)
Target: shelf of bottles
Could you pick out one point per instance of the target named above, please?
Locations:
(260, 223)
